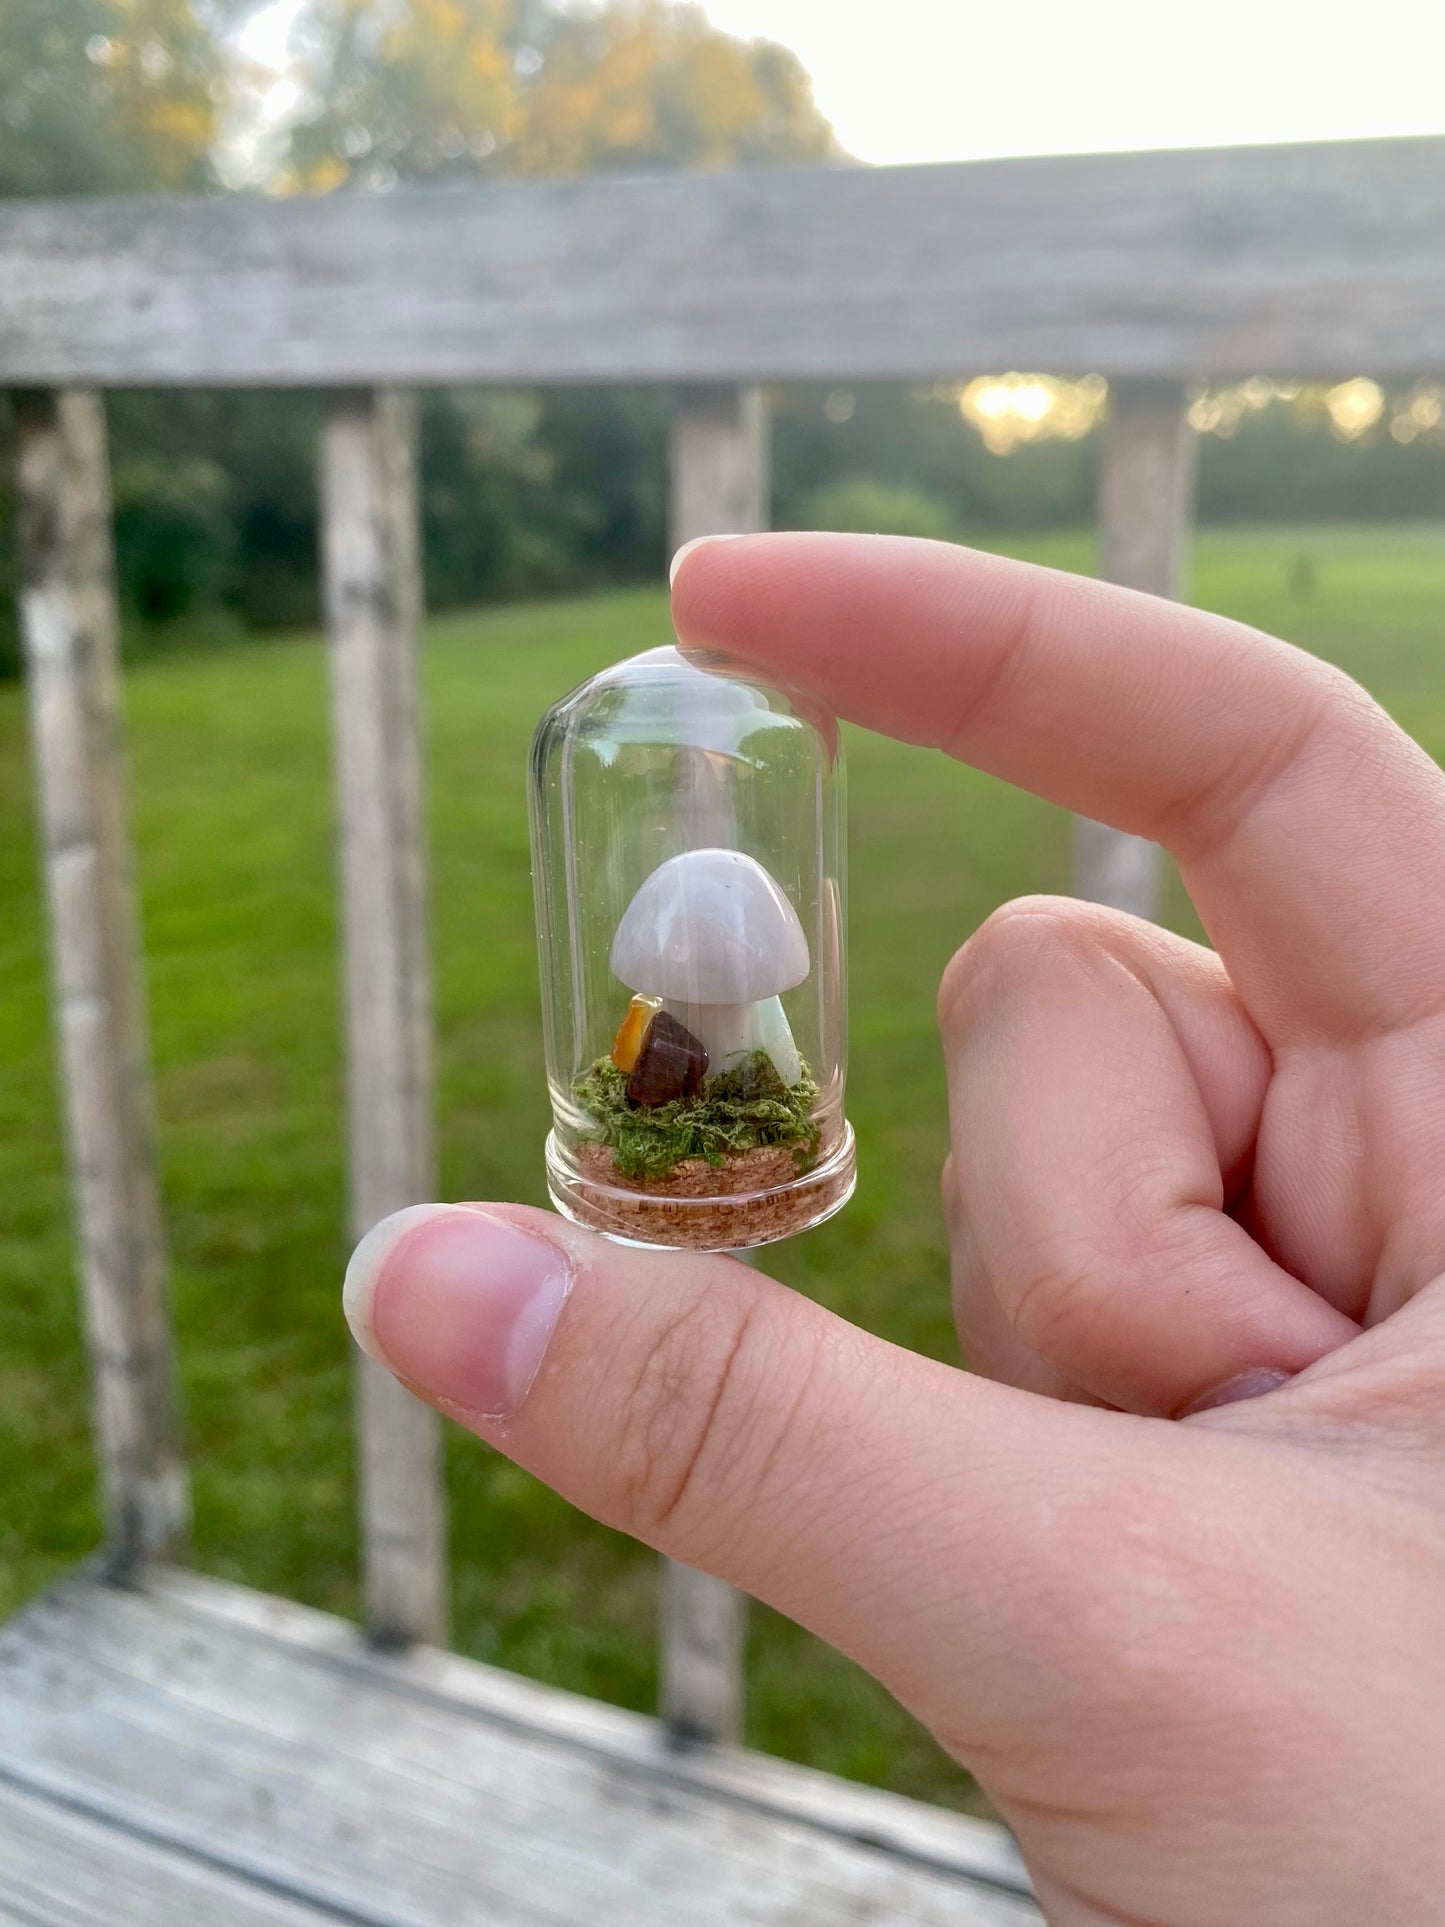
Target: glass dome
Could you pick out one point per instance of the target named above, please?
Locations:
(688, 862)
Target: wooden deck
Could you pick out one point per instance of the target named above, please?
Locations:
(189, 1754)
(186, 1754)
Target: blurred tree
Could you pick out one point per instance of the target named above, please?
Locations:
(859, 505)
(536, 491)
(563, 488)
(117, 96)
(446, 90)
(216, 493)
(106, 96)
(173, 533)
(568, 487)
(903, 436)
(1284, 464)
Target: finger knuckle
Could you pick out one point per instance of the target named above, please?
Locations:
(1071, 1296)
(1013, 946)
(1058, 1299)
(695, 1415)
(1329, 721)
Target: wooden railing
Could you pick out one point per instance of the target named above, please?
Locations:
(1154, 270)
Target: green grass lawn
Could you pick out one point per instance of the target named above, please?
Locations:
(233, 825)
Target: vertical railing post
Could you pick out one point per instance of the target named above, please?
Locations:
(719, 472)
(1146, 504)
(719, 463)
(68, 623)
(372, 569)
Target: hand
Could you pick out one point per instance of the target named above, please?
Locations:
(1199, 1665)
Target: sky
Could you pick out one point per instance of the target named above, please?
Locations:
(936, 80)
(939, 80)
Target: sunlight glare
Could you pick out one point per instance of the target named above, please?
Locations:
(1009, 409)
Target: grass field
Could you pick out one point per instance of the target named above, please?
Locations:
(233, 826)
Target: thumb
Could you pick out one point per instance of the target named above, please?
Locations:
(898, 1508)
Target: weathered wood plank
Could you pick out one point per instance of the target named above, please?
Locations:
(719, 463)
(59, 1868)
(1309, 260)
(973, 1849)
(68, 623)
(704, 1648)
(347, 1779)
(1146, 504)
(719, 477)
(1146, 488)
(373, 604)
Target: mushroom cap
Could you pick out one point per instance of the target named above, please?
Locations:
(710, 927)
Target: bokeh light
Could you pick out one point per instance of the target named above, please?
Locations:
(1011, 409)
(1008, 411)
(1356, 410)
(1354, 407)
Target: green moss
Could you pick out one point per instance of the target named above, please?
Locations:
(738, 1110)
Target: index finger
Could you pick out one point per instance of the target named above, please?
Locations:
(1309, 828)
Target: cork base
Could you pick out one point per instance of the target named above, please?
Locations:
(753, 1198)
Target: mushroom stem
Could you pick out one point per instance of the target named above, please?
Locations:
(731, 1032)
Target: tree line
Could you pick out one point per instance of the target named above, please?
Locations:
(523, 492)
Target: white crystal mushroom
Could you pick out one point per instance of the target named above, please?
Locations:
(712, 934)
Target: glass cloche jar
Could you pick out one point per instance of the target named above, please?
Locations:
(688, 862)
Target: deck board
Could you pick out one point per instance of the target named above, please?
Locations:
(257, 1762)
(61, 1868)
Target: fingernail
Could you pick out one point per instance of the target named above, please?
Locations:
(1252, 1384)
(696, 543)
(458, 1303)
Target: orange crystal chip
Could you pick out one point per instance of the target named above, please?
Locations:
(627, 1044)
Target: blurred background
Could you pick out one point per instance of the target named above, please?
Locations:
(1321, 517)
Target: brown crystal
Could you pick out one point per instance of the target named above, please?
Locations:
(672, 1063)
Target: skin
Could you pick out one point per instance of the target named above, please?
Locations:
(1166, 1568)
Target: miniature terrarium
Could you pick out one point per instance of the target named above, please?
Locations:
(687, 840)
